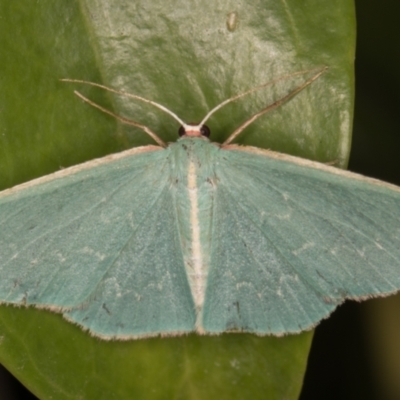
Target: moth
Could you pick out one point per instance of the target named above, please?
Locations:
(196, 236)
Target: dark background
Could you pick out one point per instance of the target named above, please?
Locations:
(340, 363)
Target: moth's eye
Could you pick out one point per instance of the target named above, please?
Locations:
(181, 131)
(205, 131)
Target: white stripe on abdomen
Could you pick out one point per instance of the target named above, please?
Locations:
(196, 276)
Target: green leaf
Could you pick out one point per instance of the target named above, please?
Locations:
(189, 57)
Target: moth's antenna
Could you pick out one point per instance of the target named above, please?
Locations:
(127, 121)
(275, 104)
(126, 94)
(188, 127)
(255, 89)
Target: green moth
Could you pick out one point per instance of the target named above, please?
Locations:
(198, 237)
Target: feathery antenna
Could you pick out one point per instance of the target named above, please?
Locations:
(188, 127)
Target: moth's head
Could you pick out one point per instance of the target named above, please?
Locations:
(194, 130)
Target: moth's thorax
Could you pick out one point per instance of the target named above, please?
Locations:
(193, 181)
(197, 150)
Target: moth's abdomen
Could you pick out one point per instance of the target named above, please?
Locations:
(194, 193)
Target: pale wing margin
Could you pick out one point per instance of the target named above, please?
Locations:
(291, 241)
(90, 244)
